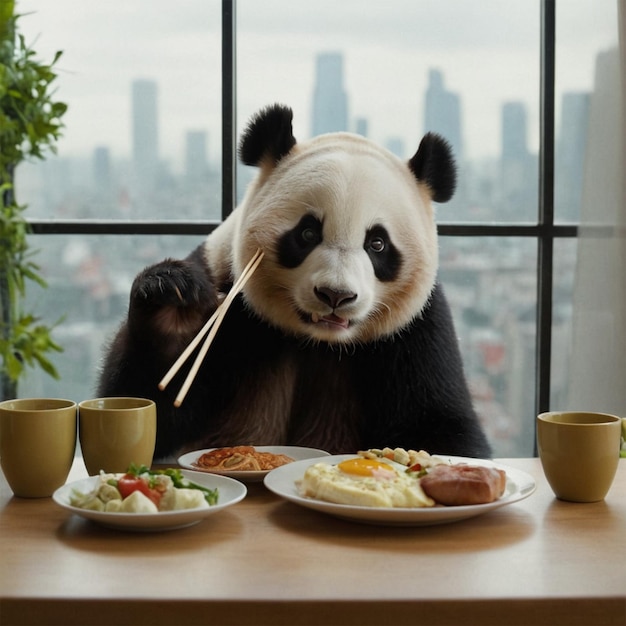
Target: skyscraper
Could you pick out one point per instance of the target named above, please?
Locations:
(570, 154)
(102, 170)
(145, 131)
(514, 141)
(517, 182)
(196, 160)
(442, 112)
(330, 101)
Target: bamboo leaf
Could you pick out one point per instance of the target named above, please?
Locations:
(13, 366)
(46, 365)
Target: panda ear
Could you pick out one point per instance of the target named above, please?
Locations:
(433, 165)
(269, 136)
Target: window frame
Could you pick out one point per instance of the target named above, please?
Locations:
(544, 231)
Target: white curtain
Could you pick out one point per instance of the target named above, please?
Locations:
(598, 367)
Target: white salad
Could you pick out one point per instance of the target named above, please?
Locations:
(141, 490)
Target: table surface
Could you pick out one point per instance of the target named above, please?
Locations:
(269, 561)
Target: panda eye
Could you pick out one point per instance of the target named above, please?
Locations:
(377, 244)
(309, 232)
(308, 235)
(383, 254)
(295, 244)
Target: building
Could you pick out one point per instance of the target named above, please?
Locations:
(196, 159)
(330, 101)
(514, 131)
(103, 180)
(518, 187)
(442, 113)
(570, 155)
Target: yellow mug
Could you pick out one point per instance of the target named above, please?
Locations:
(579, 452)
(37, 444)
(115, 432)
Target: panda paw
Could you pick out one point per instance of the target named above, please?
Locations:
(177, 295)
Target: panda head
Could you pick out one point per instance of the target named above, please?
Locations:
(347, 229)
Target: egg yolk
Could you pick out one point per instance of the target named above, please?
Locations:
(364, 467)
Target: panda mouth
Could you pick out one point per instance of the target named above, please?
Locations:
(331, 321)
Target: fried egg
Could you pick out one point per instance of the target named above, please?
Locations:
(364, 482)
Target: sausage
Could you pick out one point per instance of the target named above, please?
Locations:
(456, 485)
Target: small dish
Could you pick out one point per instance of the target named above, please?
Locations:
(282, 481)
(230, 492)
(295, 452)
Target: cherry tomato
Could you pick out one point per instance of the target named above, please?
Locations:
(128, 483)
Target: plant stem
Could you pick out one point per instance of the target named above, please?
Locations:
(8, 387)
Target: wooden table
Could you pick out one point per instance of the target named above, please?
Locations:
(268, 561)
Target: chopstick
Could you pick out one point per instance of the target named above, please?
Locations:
(211, 326)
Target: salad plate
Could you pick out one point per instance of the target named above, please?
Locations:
(230, 492)
(295, 452)
(283, 482)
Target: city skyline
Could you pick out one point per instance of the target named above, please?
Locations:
(503, 189)
(330, 113)
(489, 53)
(442, 112)
(151, 166)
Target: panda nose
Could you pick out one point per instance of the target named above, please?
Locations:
(333, 298)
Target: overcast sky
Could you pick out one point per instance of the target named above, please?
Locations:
(487, 49)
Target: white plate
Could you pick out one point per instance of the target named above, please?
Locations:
(282, 481)
(295, 452)
(229, 492)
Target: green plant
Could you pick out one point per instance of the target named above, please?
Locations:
(30, 124)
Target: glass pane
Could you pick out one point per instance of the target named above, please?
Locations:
(469, 70)
(590, 183)
(586, 43)
(491, 287)
(89, 280)
(142, 137)
(565, 252)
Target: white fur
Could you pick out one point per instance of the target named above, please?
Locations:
(350, 184)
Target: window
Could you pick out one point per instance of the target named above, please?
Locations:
(147, 163)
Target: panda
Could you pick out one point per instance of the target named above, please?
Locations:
(342, 338)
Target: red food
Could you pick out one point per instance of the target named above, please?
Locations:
(128, 483)
(456, 485)
(241, 458)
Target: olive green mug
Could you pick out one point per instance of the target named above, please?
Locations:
(579, 452)
(37, 444)
(115, 432)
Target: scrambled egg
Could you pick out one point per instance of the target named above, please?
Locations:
(364, 482)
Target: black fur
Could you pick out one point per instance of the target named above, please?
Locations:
(433, 165)
(269, 135)
(407, 391)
